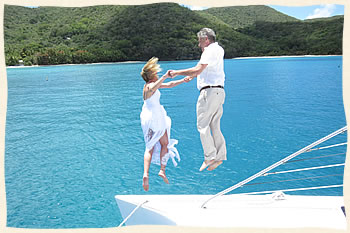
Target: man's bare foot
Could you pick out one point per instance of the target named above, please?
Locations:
(145, 183)
(214, 165)
(205, 164)
(162, 174)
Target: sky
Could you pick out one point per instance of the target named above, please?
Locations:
(310, 12)
(302, 12)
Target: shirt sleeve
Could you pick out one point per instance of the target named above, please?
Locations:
(207, 57)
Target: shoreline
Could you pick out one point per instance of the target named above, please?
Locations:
(97, 63)
(287, 56)
(133, 62)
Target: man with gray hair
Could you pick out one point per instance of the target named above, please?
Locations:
(210, 83)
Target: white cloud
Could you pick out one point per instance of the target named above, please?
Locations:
(324, 11)
(195, 8)
(198, 8)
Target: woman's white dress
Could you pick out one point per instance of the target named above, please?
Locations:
(154, 122)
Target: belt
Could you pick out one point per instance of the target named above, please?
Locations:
(219, 86)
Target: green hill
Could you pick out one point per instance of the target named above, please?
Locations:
(169, 31)
(62, 35)
(317, 37)
(243, 16)
(324, 19)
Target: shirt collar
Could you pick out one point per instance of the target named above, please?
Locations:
(212, 44)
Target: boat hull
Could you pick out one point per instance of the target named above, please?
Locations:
(260, 211)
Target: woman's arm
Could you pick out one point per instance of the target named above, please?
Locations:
(175, 83)
(154, 86)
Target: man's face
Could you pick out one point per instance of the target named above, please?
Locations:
(203, 42)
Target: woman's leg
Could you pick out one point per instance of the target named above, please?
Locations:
(146, 164)
(164, 150)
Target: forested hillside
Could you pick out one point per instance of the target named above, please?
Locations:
(294, 38)
(58, 35)
(243, 16)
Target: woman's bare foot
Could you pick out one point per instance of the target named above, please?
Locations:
(162, 174)
(145, 183)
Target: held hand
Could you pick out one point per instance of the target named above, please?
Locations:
(167, 74)
(172, 73)
(188, 78)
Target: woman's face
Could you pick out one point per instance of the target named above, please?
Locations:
(154, 77)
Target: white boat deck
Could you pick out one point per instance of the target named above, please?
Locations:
(260, 211)
(273, 210)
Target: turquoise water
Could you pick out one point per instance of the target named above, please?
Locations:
(74, 140)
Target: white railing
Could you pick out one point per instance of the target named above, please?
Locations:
(131, 213)
(261, 173)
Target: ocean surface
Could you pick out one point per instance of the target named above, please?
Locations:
(74, 139)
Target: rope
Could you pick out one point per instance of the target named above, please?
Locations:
(281, 181)
(318, 157)
(297, 189)
(305, 169)
(325, 147)
(276, 164)
(132, 212)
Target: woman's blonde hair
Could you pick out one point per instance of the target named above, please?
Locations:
(150, 68)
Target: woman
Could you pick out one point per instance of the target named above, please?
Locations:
(155, 123)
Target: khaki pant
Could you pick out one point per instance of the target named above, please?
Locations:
(209, 112)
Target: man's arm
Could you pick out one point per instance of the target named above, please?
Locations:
(175, 83)
(193, 72)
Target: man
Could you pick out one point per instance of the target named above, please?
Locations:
(210, 82)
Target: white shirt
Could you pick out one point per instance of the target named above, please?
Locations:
(213, 74)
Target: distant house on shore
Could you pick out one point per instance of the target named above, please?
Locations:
(20, 63)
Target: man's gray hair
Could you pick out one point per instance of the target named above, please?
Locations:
(207, 32)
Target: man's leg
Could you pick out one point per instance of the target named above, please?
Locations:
(219, 140)
(204, 116)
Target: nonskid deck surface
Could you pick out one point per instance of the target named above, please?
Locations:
(288, 211)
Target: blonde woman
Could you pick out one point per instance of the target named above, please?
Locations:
(155, 123)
